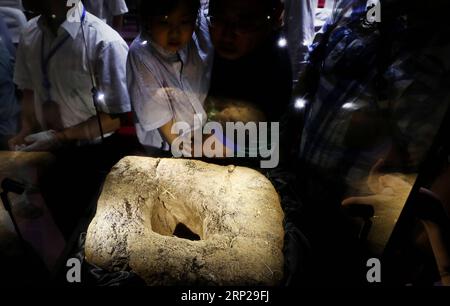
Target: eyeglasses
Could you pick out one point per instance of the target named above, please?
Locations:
(240, 27)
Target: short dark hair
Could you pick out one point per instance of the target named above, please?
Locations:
(153, 8)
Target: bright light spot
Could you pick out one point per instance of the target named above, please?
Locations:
(268, 17)
(144, 43)
(307, 42)
(282, 42)
(100, 97)
(300, 103)
(349, 106)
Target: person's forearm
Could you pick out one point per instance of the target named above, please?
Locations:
(28, 117)
(29, 123)
(222, 150)
(441, 189)
(440, 250)
(90, 130)
(166, 132)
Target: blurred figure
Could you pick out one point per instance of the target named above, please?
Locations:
(361, 108)
(57, 105)
(5, 36)
(303, 19)
(16, 4)
(251, 59)
(252, 64)
(323, 9)
(299, 20)
(371, 90)
(9, 108)
(110, 11)
(12, 13)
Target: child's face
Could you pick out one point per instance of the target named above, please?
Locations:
(174, 31)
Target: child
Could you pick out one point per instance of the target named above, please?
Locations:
(168, 70)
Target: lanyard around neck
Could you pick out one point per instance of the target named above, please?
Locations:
(45, 59)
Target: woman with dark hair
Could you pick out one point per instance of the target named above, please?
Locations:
(251, 61)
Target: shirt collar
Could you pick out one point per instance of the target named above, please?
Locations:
(72, 27)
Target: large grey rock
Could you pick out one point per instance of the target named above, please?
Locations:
(234, 211)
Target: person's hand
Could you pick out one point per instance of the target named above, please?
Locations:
(17, 142)
(440, 189)
(214, 147)
(390, 189)
(41, 142)
(373, 181)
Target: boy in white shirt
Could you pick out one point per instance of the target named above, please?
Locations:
(168, 70)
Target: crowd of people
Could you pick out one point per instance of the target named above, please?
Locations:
(357, 90)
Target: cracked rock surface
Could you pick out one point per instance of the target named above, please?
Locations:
(184, 222)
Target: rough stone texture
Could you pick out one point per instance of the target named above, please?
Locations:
(235, 211)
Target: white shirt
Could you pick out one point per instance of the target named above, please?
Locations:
(299, 20)
(17, 4)
(322, 14)
(166, 86)
(69, 68)
(15, 20)
(106, 9)
(9, 108)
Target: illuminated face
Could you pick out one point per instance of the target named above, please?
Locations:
(238, 27)
(174, 31)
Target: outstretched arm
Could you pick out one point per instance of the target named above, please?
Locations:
(29, 121)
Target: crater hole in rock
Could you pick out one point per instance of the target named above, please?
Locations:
(182, 231)
(177, 220)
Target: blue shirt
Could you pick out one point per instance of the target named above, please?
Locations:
(9, 108)
(6, 37)
(361, 109)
